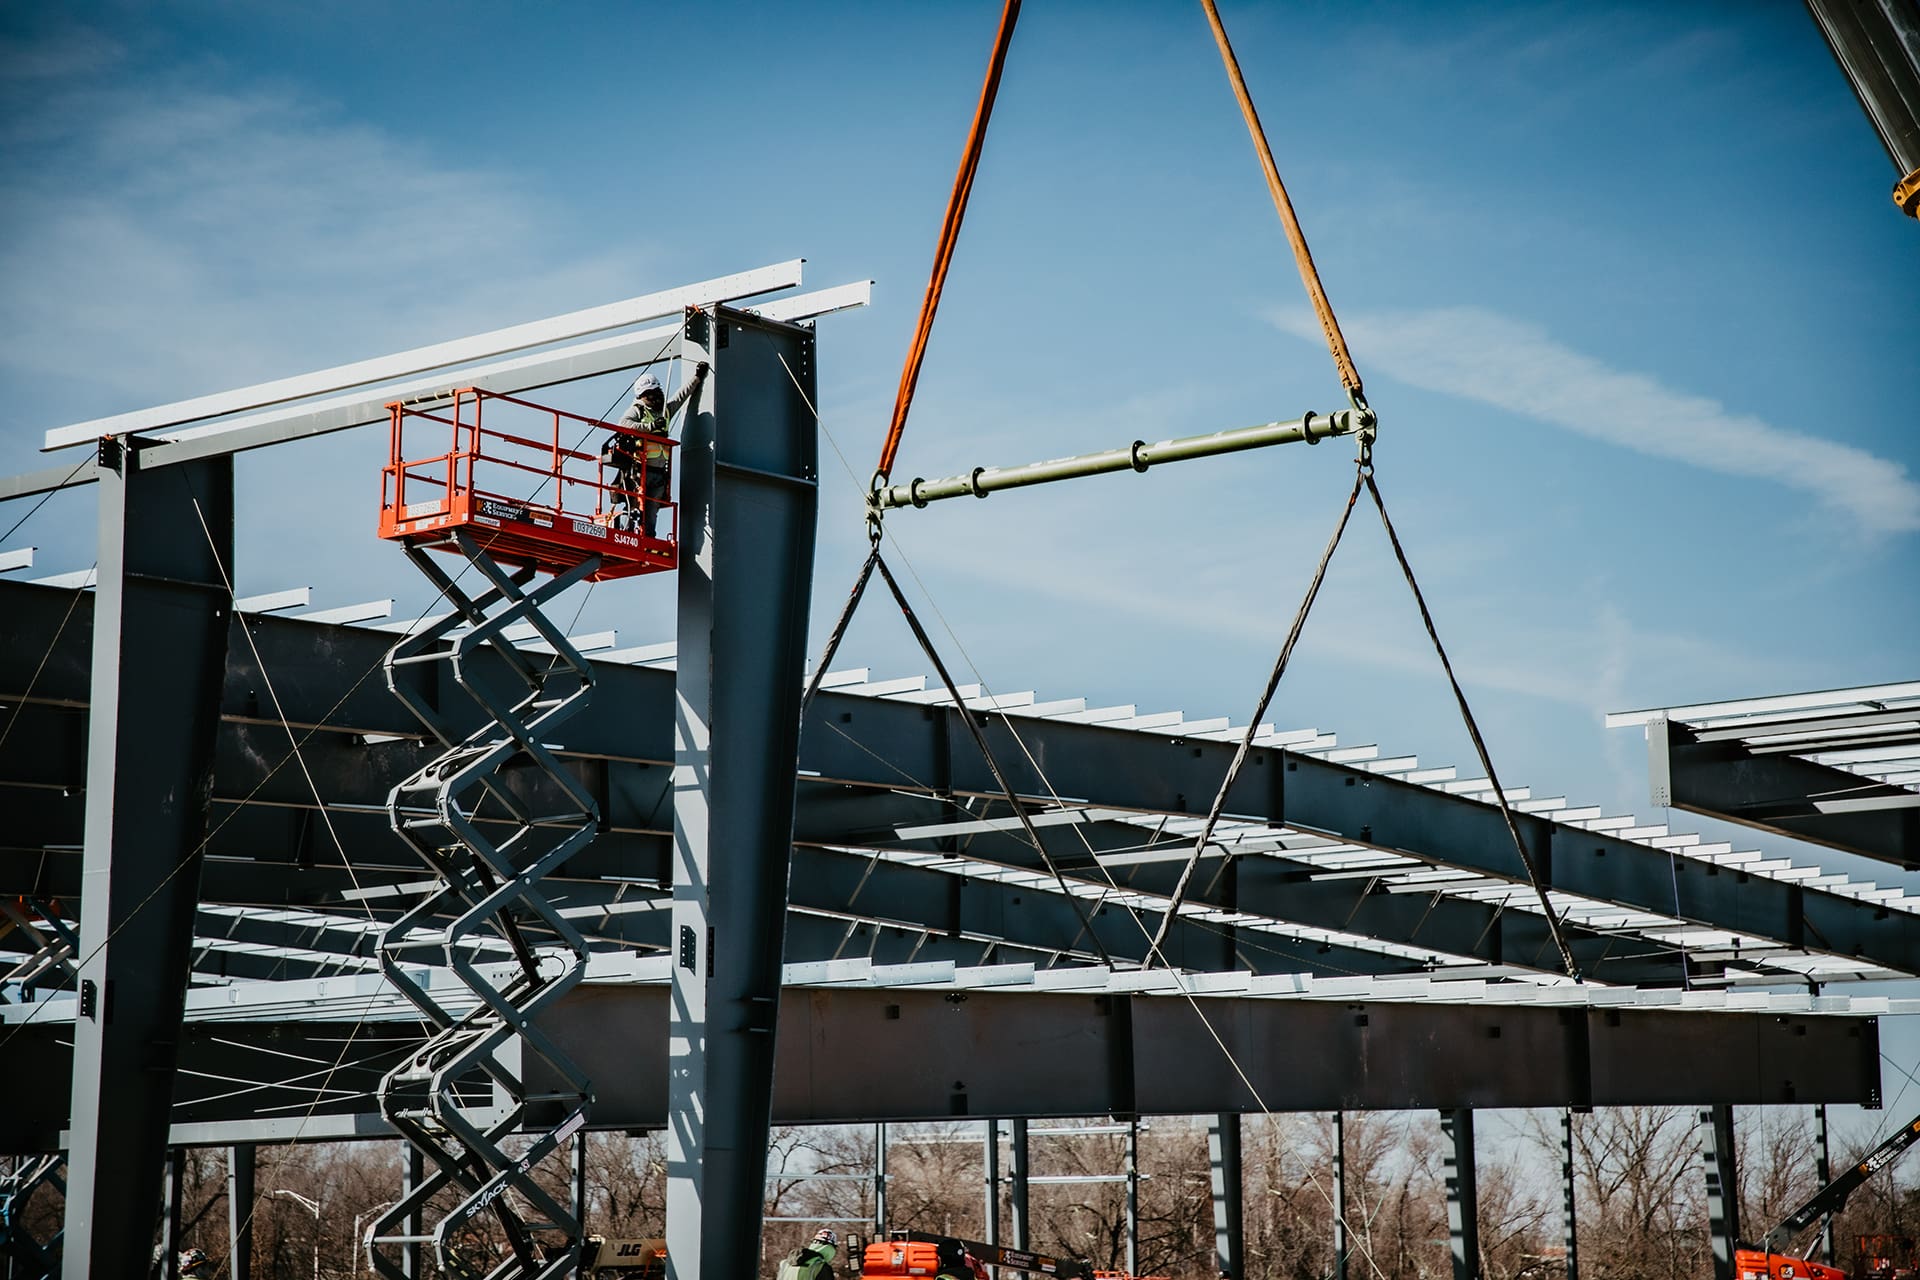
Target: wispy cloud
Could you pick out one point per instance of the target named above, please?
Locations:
(169, 231)
(1476, 354)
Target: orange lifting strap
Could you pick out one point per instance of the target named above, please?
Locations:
(949, 237)
(1309, 275)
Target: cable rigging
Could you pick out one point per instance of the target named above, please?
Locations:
(1359, 421)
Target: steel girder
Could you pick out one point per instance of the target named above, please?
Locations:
(1112, 768)
(274, 851)
(1781, 794)
(1029, 1055)
(749, 470)
(827, 877)
(158, 649)
(621, 748)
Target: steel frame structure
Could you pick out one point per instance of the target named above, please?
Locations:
(763, 886)
(1840, 768)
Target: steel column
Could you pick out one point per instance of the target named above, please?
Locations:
(1463, 1193)
(1822, 1175)
(748, 470)
(1133, 1196)
(880, 1179)
(993, 1182)
(1223, 1161)
(240, 1189)
(1723, 1186)
(1017, 1187)
(580, 1180)
(161, 614)
(412, 1257)
(172, 1187)
(1571, 1239)
(1342, 1246)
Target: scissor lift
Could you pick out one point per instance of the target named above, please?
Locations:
(493, 814)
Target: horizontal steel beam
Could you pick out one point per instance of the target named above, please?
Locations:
(1038, 1055)
(440, 355)
(273, 846)
(1782, 794)
(1138, 456)
(859, 746)
(299, 421)
(1109, 768)
(49, 479)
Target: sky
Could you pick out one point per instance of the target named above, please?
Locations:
(1623, 279)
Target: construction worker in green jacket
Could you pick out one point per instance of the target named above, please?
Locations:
(814, 1261)
(643, 468)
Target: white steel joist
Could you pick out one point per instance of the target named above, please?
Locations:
(440, 355)
(269, 414)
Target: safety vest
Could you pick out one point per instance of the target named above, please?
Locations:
(653, 424)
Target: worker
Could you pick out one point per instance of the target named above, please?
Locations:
(195, 1264)
(814, 1261)
(643, 468)
(956, 1263)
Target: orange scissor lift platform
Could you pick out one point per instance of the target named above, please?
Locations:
(514, 475)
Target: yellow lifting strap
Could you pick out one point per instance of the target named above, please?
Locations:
(1309, 275)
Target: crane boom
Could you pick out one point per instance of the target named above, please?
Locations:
(1877, 44)
(1832, 1198)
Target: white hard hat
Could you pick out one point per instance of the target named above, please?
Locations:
(647, 383)
(825, 1236)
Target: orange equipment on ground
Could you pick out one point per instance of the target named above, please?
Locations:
(533, 494)
(920, 1253)
(901, 1258)
(1766, 1262)
(1753, 1264)
(1885, 1258)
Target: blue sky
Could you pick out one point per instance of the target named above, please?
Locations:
(1624, 281)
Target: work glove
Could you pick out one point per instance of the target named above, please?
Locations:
(700, 370)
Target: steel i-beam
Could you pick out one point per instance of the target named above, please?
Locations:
(1017, 1186)
(1723, 1182)
(992, 1162)
(1822, 1175)
(161, 614)
(1341, 1244)
(240, 1190)
(1223, 1160)
(748, 473)
(1571, 1238)
(1133, 1196)
(1463, 1193)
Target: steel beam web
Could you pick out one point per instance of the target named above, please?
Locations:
(461, 1095)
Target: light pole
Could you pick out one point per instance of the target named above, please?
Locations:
(360, 1244)
(313, 1207)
